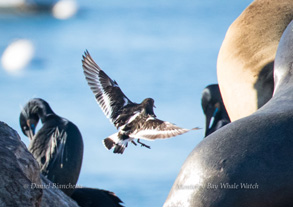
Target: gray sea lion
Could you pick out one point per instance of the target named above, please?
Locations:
(249, 161)
(245, 61)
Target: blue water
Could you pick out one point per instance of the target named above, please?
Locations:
(162, 49)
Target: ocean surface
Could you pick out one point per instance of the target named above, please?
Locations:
(164, 49)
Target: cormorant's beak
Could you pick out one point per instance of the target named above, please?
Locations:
(155, 106)
(31, 129)
(210, 119)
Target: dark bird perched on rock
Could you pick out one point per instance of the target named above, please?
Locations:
(134, 121)
(57, 146)
(91, 197)
(214, 109)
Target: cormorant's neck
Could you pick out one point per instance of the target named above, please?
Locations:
(44, 110)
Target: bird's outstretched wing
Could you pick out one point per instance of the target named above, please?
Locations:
(107, 92)
(154, 128)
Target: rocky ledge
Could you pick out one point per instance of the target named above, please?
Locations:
(20, 181)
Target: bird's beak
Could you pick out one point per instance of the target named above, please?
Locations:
(31, 131)
(210, 118)
(155, 106)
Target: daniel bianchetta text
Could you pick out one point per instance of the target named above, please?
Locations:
(232, 186)
(51, 185)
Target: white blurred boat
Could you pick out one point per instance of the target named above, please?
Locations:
(61, 9)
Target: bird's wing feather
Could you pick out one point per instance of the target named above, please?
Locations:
(55, 151)
(107, 92)
(157, 129)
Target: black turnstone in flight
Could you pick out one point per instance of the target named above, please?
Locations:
(57, 146)
(134, 121)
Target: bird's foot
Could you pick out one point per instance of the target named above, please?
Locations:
(143, 145)
(133, 143)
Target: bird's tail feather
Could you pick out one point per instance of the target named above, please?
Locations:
(119, 149)
(109, 143)
(113, 141)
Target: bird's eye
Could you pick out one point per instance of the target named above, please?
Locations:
(25, 128)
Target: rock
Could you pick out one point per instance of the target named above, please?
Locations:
(52, 196)
(18, 171)
(20, 181)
